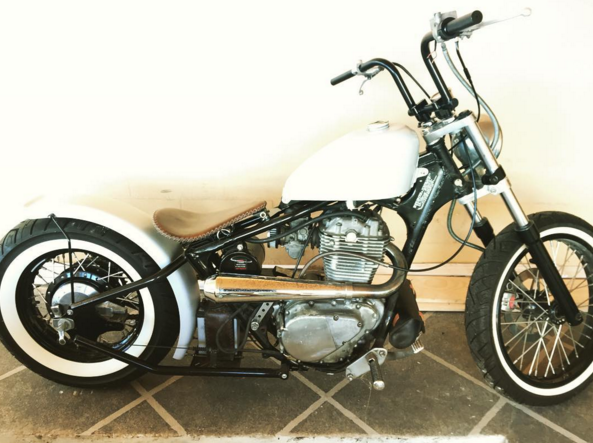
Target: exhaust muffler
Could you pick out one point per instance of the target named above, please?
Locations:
(234, 288)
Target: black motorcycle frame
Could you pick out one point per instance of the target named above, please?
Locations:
(417, 209)
(442, 172)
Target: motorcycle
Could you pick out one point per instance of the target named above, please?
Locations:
(94, 293)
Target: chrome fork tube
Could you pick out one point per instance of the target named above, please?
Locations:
(526, 230)
(483, 150)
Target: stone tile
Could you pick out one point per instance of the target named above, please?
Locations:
(138, 422)
(422, 397)
(7, 361)
(445, 337)
(573, 414)
(230, 406)
(30, 404)
(519, 427)
(327, 420)
(151, 381)
(322, 380)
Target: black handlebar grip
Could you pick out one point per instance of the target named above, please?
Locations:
(453, 27)
(341, 78)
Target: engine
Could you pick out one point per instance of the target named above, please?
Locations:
(351, 234)
(328, 332)
(314, 321)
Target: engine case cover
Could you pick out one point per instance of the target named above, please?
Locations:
(321, 332)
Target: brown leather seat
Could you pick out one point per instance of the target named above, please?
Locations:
(187, 226)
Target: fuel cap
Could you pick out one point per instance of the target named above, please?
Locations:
(378, 126)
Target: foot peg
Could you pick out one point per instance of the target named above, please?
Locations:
(376, 374)
(370, 362)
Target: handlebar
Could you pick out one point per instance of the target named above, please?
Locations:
(451, 27)
(342, 78)
(383, 64)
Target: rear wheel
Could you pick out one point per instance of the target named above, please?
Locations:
(515, 330)
(38, 271)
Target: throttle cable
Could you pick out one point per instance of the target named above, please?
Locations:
(469, 78)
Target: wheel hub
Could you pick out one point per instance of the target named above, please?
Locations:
(556, 316)
(86, 284)
(63, 294)
(92, 322)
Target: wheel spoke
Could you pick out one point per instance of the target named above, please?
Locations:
(550, 366)
(555, 256)
(527, 266)
(528, 296)
(523, 350)
(566, 258)
(575, 275)
(547, 293)
(92, 262)
(575, 343)
(539, 347)
(541, 344)
(80, 263)
(52, 273)
(526, 351)
(564, 351)
(525, 329)
(580, 285)
(42, 295)
(535, 356)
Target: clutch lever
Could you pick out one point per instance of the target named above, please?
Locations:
(526, 12)
(368, 75)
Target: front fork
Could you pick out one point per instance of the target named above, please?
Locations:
(497, 182)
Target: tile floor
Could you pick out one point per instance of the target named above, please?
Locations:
(439, 392)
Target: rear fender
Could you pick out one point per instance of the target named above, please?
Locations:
(137, 226)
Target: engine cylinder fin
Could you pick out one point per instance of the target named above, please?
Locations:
(352, 235)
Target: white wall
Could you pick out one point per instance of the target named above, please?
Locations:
(218, 101)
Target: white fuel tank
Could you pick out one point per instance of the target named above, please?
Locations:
(374, 163)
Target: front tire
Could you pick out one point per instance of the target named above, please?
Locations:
(35, 271)
(523, 346)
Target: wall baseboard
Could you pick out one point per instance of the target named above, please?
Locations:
(448, 270)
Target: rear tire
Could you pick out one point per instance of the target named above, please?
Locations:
(26, 244)
(523, 349)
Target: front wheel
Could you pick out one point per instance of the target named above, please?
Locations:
(38, 271)
(517, 336)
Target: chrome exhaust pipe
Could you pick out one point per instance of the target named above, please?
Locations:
(233, 288)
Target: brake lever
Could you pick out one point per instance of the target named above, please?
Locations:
(526, 12)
